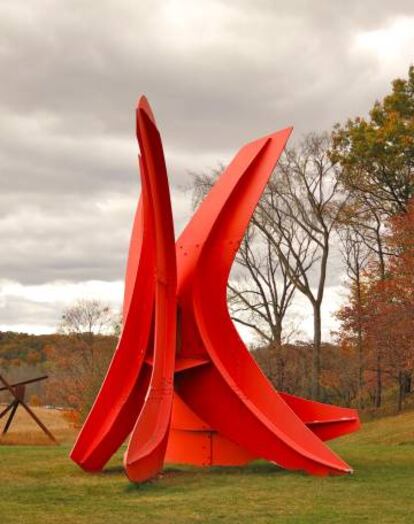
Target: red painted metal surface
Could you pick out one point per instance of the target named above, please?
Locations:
(179, 354)
(147, 446)
(130, 380)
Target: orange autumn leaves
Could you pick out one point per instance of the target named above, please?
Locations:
(379, 318)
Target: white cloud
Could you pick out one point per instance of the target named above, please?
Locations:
(38, 308)
(391, 46)
(64, 293)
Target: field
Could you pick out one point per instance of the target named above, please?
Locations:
(39, 484)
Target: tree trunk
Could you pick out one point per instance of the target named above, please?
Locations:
(404, 383)
(277, 342)
(408, 382)
(378, 392)
(277, 333)
(360, 343)
(401, 386)
(316, 352)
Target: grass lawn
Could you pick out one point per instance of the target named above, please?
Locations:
(39, 484)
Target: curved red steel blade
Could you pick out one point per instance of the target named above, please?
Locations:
(145, 454)
(232, 394)
(122, 394)
(325, 420)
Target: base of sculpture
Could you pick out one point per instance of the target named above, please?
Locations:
(192, 441)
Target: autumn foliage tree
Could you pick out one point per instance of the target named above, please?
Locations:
(377, 159)
(397, 312)
(377, 154)
(79, 360)
(383, 312)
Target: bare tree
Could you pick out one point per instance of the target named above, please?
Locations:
(83, 321)
(80, 359)
(86, 317)
(295, 220)
(365, 215)
(260, 297)
(299, 211)
(261, 293)
(356, 255)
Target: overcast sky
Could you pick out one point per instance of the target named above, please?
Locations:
(217, 73)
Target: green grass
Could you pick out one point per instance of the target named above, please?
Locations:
(41, 485)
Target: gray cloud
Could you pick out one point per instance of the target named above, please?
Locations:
(218, 73)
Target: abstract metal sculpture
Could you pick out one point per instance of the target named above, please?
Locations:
(18, 391)
(181, 381)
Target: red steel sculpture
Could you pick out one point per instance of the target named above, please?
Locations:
(181, 381)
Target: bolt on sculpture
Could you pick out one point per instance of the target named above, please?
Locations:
(181, 381)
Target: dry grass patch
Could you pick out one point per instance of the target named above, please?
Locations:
(25, 431)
